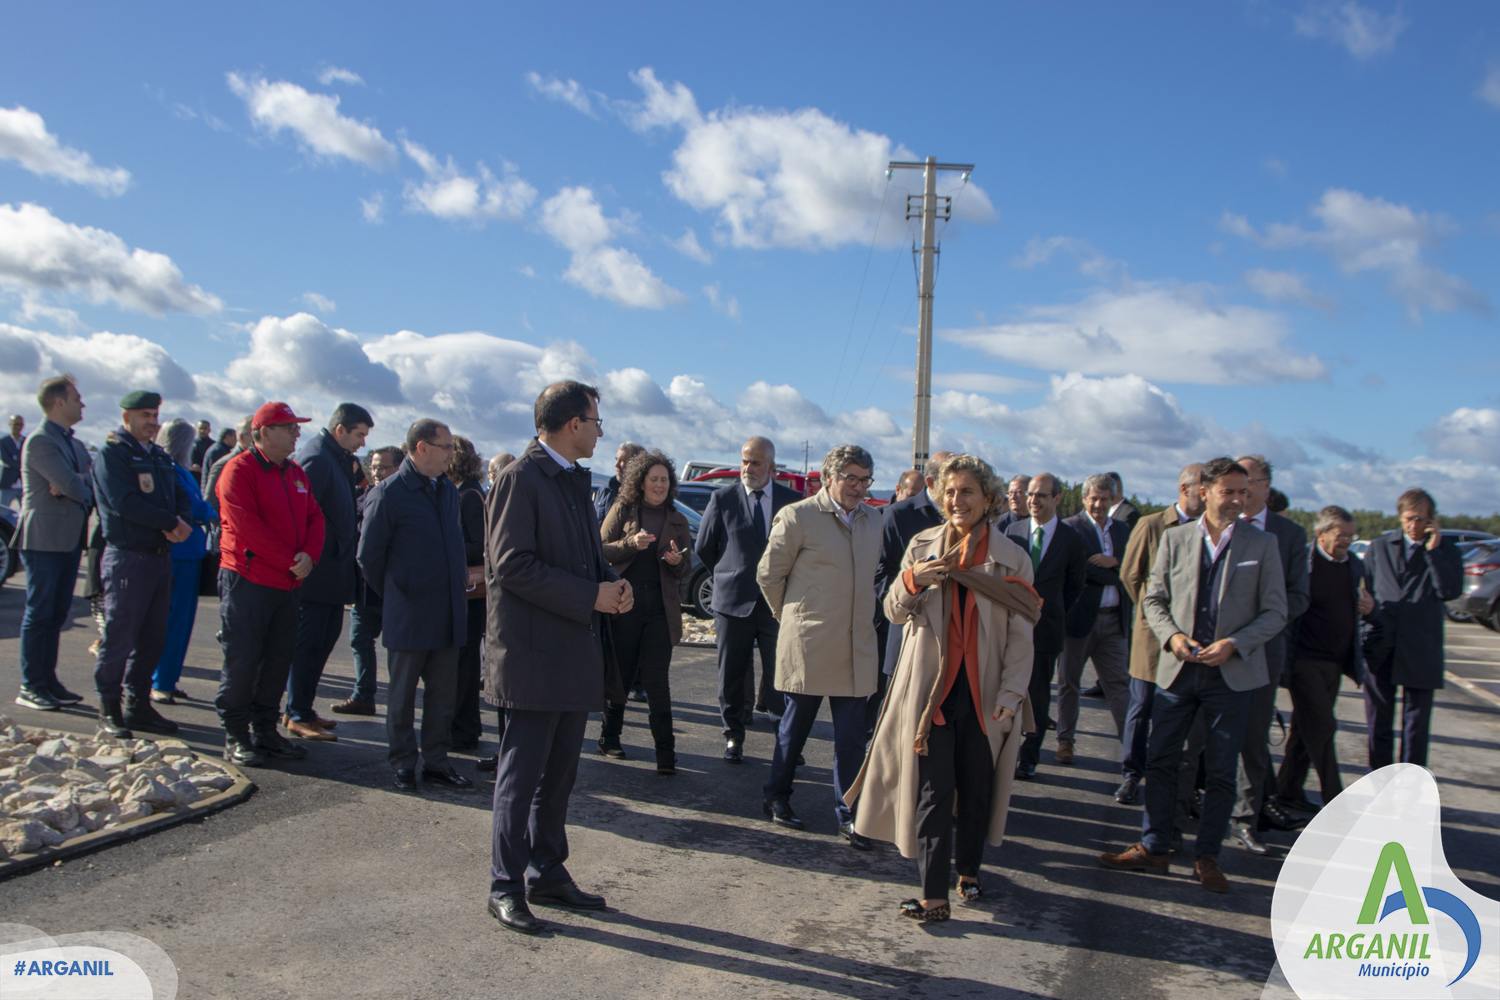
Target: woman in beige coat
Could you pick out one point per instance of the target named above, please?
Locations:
(953, 719)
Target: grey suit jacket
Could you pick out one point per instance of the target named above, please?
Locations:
(1252, 600)
(52, 457)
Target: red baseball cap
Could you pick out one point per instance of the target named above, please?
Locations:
(275, 412)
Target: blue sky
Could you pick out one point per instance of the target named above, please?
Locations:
(1192, 228)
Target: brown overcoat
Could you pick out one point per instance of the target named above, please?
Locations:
(1135, 573)
(887, 786)
(620, 523)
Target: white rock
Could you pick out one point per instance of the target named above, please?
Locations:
(59, 813)
(92, 798)
(89, 770)
(99, 820)
(34, 793)
(109, 760)
(145, 754)
(55, 748)
(186, 792)
(212, 782)
(24, 836)
(151, 792)
(8, 788)
(131, 811)
(37, 764)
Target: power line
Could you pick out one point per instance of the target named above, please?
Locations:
(859, 295)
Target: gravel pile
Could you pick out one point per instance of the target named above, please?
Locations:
(55, 786)
(698, 630)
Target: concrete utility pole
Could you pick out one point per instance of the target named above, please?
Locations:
(928, 210)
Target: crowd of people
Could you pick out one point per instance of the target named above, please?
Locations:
(935, 627)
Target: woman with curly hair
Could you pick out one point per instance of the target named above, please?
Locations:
(953, 718)
(464, 470)
(647, 542)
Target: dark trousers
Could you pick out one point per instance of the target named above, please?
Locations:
(738, 640)
(1315, 692)
(137, 598)
(318, 629)
(958, 762)
(364, 628)
(644, 648)
(1137, 728)
(50, 577)
(1380, 716)
(1255, 777)
(1040, 692)
(537, 767)
(437, 670)
(258, 632)
(1172, 714)
(466, 725)
(848, 746)
(181, 614)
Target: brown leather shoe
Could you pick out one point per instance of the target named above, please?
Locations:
(308, 731)
(1210, 874)
(323, 723)
(352, 706)
(1065, 751)
(1136, 858)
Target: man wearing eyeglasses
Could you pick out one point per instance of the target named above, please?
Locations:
(818, 576)
(1015, 497)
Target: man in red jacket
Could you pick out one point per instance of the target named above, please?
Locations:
(271, 529)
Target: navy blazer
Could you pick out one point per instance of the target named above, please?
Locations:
(1059, 580)
(1406, 627)
(730, 548)
(411, 549)
(1083, 615)
(330, 472)
(900, 523)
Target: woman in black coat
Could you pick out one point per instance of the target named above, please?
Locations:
(465, 471)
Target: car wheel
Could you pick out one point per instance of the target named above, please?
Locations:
(1492, 620)
(1456, 616)
(702, 590)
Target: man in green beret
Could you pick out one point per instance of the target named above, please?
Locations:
(142, 513)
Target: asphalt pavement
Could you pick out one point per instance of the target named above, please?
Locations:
(328, 883)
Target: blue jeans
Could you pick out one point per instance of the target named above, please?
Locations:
(182, 611)
(50, 577)
(364, 628)
(1137, 728)
(848, 746)
(1172, 714)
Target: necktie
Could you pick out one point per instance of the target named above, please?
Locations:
(758, 518)
(1036, 548)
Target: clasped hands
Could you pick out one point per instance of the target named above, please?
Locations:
(179, 533)
(1215, 654)
(614, 598)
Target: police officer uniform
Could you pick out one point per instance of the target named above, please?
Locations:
(136, 490)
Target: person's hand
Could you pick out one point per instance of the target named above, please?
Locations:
(614, 598)
(1434, 534)
(1103, 561)
(932, 571)
(1006, 717)
(179, 532)
(52, 488)
(627, 598)
(1182, 647)
(642, 539)
(673, 555)
(302, 565)
(1366, 603)
(1217, 653)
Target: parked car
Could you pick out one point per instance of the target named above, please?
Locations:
(698, 585)
(1480, 600)
(10, 559)
(696, 495)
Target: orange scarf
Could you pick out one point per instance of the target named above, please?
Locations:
(963, 622)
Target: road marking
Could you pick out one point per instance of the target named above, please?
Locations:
(1480, 663)
(1483, 695)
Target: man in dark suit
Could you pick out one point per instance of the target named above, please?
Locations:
(1414, 571)
(10, 460)
(1060, 563)
(411, 549)
(549, 590)
(1257, 805)
(329, 461)
(1098, 626)
(731, 538)
(1015, 498)
(606, 498)
(1123, 510)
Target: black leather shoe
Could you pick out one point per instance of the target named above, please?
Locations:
(1247, 838)
(734, 751)
(111, 721)
(243, 752)
(1092, 692)
(448, 778)
(1302, 805)
(1276, 818)
(565, 894)
(780, 812)
(63, 695)
(612, 748)
(1174, 842)
(405, 780)
(1129, 792)
(1026, 771)
(511, 910)
(141, 714)
(488, 765)
(273, 744)
(856, 841)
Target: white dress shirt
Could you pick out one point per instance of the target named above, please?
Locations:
(764, 501)
(565, 463)
(1110, 598)
(1214, 550)
(1048, 530)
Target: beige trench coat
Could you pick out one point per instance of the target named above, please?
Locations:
(818, 576)
(887, 787)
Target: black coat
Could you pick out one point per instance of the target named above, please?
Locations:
(543, 640)
(1291, 545)
(1354, 661)
(329, 470)
(411, 550)
(1405, 634)
(900, 522)
(1059, 580)
(1083, 615)
(730, 548)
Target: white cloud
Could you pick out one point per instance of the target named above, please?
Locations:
(448, 193)
(320, 303)
(1363, 234)
(277, 106)
(373, 208)
(1164, 333)
(687, 244)
(726, 304)
(779, 178)
(40, 252)
(337, 74)
(301, 350)
(1040, 250)
(975, 381)
(24, 138)
(1284, 286)
(1363, 32)
(1489, 89)
(574, 219)
(1275, 166)
(569, 92)
(107, 365)
(526, 271)
(1468, 433)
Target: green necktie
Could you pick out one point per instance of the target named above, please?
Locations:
(1036, 548)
